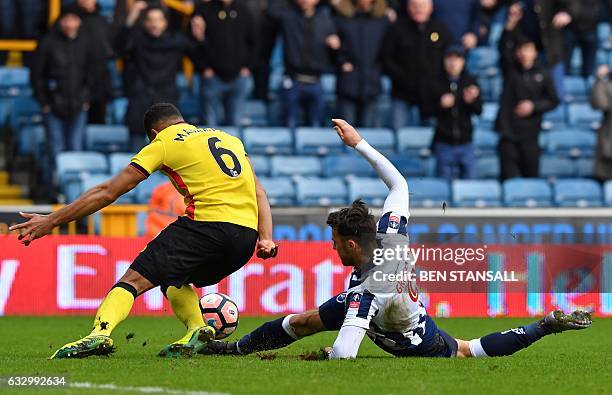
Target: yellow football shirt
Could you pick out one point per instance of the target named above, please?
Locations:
(209, 168)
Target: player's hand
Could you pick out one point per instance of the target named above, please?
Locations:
(36, 227)
(524, 108)
(266, 249)
(447, 100)
(346, 132)
(198, 28)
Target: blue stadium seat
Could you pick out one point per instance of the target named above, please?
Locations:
(317, 141)
(527, 192)
(582, 114)
(92, 180)
(576, 89)
(255, 114)
(411, 166)
(314, 191)
(415, 140)
(118, 108)
(483, 60)
(572, 143)
(485, 141)
(144, 190)
(261, 165)
(107, 138)
(291, 166)
(73, 166)
(585, 167)
(577, 192)
(14, 81)
(556, 167)
(428, 192)
(476, 193)
(603, 34)
(328, 83)
(372, 190)
(607, 187)
(280, 190)
(268, 140)
(543, 140)
(489, 113)
(347, 165)
(381, 139)
(488, 167)
(30, 140)
(25, 111)
(118, 161)
(555, 118)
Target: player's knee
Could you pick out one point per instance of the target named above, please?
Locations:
(463, 349)
(136, 280)
(306, 324)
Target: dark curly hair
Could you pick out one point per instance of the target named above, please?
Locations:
(354, 222)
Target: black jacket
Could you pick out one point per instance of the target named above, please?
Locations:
(412, 56)
(361, 36)
(585, 14)
(304, 48)
(230, 42)
(454, 125)
(535, 85)
(60, 74)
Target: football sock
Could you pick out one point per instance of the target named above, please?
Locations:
(270, 336)
(186, 306)
(507, 342)
(115, 308)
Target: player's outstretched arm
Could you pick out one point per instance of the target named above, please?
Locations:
(266, 248)
(88, 203)
(397, 200)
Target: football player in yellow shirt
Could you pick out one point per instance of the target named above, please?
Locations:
(227, 218)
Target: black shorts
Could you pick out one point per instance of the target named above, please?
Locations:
(195, 252)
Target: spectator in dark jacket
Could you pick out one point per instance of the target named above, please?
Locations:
(228, 58)
(527, 94)
(152, 55)
(459, 99)
(582, 32)
(309, 36)
(361, 28)
(462, 17)
(61, 84)
(412, 56)
(98, 31)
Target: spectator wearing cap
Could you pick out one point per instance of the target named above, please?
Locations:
(152, 54)
(61, 83)
(459, 99)
(361, 27)
(412, 55)
(527, 94)
(228, 58)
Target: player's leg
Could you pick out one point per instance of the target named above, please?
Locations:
(513, 340)
(113, 310)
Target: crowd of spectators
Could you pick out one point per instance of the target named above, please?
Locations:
(422, 45)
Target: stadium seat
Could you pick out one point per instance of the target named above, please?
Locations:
(483, 60)
(314, 191)
(415, 140)
(14, 81)
(255, 114)
(347, 166)
(555, 118)
(317, 141)
(118, 161)
(118, 108)
(607, 187)
(328, 83)
(30, 140)
(25, 111)
(577, 192)
(485, 141)
(527, 192)
(107, 138)
(489, 113)
(73, 166)
(488, 167)
(585, 167)
(582, 114)
(476, 193)
(291, 166)
(575, 89)
(280, 190)
(381, 139)
(572, 143)
(553, 167)
(428, 192)
(91, 180)
(411, 166)
(261, 165)
(268, 140)
(372, 190)
(144, 190)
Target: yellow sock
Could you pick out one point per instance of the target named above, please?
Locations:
(115, 308)
(186, 306)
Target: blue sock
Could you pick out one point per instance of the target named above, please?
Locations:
(269, 336)
(508, 342)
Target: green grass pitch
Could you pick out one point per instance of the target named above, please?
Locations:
(569, 363)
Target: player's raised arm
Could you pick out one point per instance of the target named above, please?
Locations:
(397, 200)
(88, 203)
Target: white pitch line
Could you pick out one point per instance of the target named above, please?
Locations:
(142, 390)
